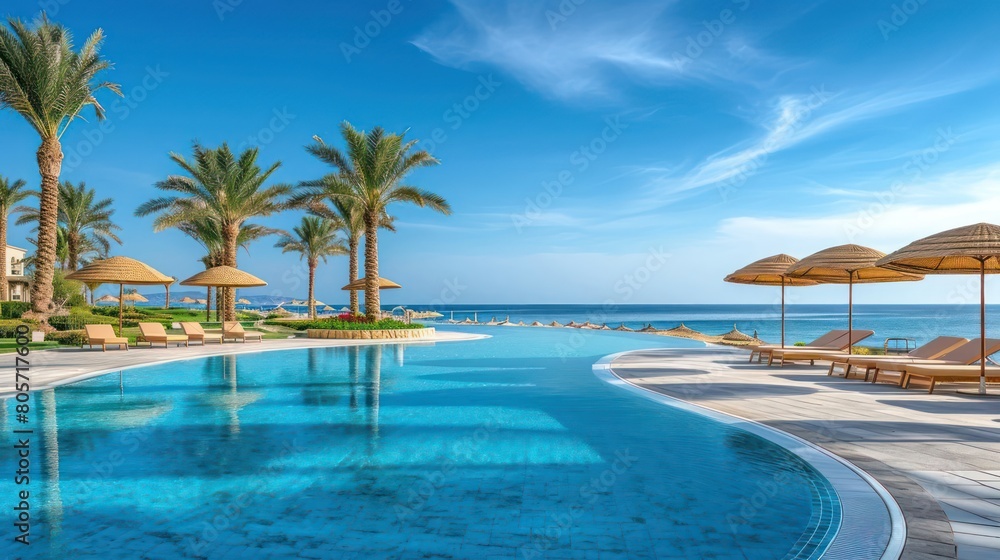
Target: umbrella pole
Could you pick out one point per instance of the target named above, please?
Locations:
(121, 308)
(982, 326)
(782, 311)
(850, 314)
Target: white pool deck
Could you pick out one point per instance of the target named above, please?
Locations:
(938, 455)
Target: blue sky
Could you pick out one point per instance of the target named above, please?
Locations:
(626, 152)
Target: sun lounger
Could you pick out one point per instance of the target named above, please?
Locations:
(804, 353)
(103, 335)
(824, 341)
(234, 330)
(941, 373)
(196, 333)
(934, 349)
(153, 333)
(964, 355)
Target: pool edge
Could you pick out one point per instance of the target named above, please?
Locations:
(893, 548)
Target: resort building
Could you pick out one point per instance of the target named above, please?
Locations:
(18, 283)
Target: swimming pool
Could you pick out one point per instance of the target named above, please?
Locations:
(503, 447)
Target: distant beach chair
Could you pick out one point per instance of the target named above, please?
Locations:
(234, 330)
(965, 355)
(822, 342)
(153, 333)
(934, 349)
(196, 333)
(103, 335)
(801, 353)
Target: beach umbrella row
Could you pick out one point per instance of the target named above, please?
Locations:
(121, 271)
(973, 249)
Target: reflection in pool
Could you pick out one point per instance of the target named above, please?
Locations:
(505, 447)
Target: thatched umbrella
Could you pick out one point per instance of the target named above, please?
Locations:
(971, 249)
(224, 277)
(770, 271)
(107, 299)
(555, 324)
(736, 336)
(135, 297)
(623, 328)
(187, 299)
(359, 284)
(121, 271)
(243, 301)
(848, 264)
(537, 324)
(650, 328)
(328, 309)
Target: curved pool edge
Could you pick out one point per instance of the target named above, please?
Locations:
(859, 493)
(179, 354)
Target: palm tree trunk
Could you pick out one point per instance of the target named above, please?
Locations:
(229, 234)
(372, 304)
(166, 305)
(352, 272)
(50, 159)
(208, 305)
(72, 252)
(4, 289)
(312, 285)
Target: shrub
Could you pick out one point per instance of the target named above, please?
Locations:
(13, 309)
(346, 325)
(68, 338)
(800, 343)
(76, 322)
(8, 327)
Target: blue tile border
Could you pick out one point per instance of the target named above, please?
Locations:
(871, 524)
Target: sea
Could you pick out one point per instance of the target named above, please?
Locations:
(803, 322)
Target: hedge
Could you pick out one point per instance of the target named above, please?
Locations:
(340, 325)
(13, 309)
(8, 327)
(69, 338)
(78, 320)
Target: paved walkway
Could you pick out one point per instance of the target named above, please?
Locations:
(52, 368)
(939, 455)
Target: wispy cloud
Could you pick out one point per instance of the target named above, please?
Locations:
(589, 52)
(794, 119)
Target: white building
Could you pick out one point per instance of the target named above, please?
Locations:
(17, 282)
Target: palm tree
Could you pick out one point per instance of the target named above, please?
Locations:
(206, 232)
(11, 192)
(370, 175)
(350, 221)
(219, 185)
(85, 224)
(49, 84)
(315, 238)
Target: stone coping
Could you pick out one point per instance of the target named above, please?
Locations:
(385, 334)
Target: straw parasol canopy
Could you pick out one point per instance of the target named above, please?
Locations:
(121, 271)
(187, 299)
(135, 297)
(650, 328)
(973, 249)
(107, 299)
(224, 277)
(383, 284)
(555, 324)
(537, 324)
(328, 309)
(243, 301)
(770, 271)
(623, 328)
(736, 336)
(848, 264)
(345, 309)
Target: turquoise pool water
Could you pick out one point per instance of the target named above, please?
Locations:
(507, 447)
